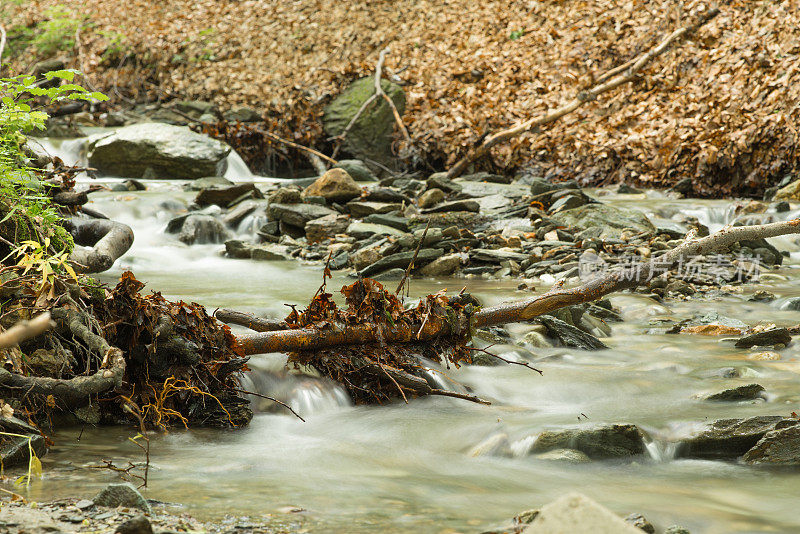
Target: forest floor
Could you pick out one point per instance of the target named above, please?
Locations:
(720, 109)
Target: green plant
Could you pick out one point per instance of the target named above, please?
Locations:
(116, 45)
(26, 212)
(57, 32)
(516, 34)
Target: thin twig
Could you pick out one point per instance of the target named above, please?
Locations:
(493, 355)
(464, 396)
(299, 147)
(269, 398)
(411, 263)
(394, 382)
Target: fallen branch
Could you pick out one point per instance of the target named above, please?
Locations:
(613, 81)
(336, 334)
(99, 243)
(74, 392)
(25, 330)
(306, 149)
(259, 324)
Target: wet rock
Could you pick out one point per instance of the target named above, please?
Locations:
(740, 393)
(123, 494)
(439, 180)
(386, 194)
(576, 513)
(242, 114)
(363, 230)
(336, 185)
(598, 442)
(14, 450)
(567, 202)
(270, 252)
(227, 196)
(792, 304)
(202, 229)
(612, 221)
(361, 209)
(401, 223)
(497, 255)
(171, 151)
(235, 216)
(455, 205)
(539, 186)
(728, 438)
(570, 336)
(196, 108)
(676, 529)
(137, 525)
(444, 266)
(762, 296)
(778, 447)
(326, 227)
(401, 260)
(789, 192)
(366, 256)
(782, 207)
(571, 456)
(430, 198)
(639, 521)
(625, 189)
(208, 182)
(767, 338)
(390, 275)
(495, 445)
(297, 215)
(370, 137)
(357, 169)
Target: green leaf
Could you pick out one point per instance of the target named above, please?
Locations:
(64, 74)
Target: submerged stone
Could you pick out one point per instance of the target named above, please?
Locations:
(598, 442)
(728, 438)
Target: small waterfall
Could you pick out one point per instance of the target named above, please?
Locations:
(237, 170)
(251, 224)
(70, 151)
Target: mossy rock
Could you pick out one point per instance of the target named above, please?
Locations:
(370, 138)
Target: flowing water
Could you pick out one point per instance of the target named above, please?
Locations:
(405, 468)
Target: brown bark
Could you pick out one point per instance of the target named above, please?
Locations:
(258, 324)
(522, 310)
(603, 86)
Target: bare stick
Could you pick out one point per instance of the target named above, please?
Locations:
(463, 396)
(270, 398)
(493, 355)
(299, 147)
(582, 98)
(259, 324)
(411, 264)
(25, 330)
(517, 311)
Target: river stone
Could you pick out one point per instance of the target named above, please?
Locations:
(361, 209)
(728, 438)
(778, 447)
(430, 198)
(357, 169)
(363, 230)
(270, 252)
(789, 192)
(570, 336)
(386, 194)
(455, 205)
(401, 223)
(202, 229)
(497, 255)
(575, 513)
(207, 182)
(297, 214)
(775, 336)
(224, 196)
(567, 202)
(123, 494)
(14, 450)
(444, 266)
(484, 189)
(676, 529)
(370, 137)
(401, 260)
(439, 180)
(336, 185)
(639, 521)
(325, 227)
(389, 275)
(366, 256)
(741, 393)
(138, 525)
(171, 151)
(539, 186)
(598, 442)
(236, 215)
(609, 219)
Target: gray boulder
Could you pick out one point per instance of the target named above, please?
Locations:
(612, 221)
(170, 151)
(297, 214)
(202, 229)
(357, 169)
(370, 137)
(325, 227)
(728, 438)
(336, 185)
(598, 442)
(740, 393)
(123, 494)
(778, 447)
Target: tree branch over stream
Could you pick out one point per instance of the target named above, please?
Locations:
(335, 334)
